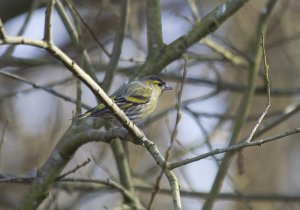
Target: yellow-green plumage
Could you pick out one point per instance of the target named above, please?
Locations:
(137, 99)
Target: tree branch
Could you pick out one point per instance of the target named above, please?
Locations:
(154, 28)
(234, 148)
(48, 22)
(243, 109)
(117, 48)
(201, 29)
(46, 89)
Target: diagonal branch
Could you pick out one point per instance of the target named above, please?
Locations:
(39, 189)
(2, 31)
(207, 25)
(46, 89)
(84, 77)
(74, 37)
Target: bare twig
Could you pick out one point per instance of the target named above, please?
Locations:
(230, 196)
(289, 111)
(227, 54)
(73, 8)
(99, 183)
(267, 81)
(234, 147)
(239, 88)
(75, 38)
(29, 14)
(173, 136)
(90, 185)
(194, 9)
(74, 170)
(46, 89)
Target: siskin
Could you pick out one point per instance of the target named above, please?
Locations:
(137, 99)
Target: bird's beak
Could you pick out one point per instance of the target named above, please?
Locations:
(168, 87)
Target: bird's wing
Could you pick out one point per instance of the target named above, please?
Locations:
(133, 94)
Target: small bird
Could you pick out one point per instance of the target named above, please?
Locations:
(137, 99)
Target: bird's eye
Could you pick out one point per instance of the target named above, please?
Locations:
(160, 84)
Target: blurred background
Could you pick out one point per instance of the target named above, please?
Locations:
(32, 120)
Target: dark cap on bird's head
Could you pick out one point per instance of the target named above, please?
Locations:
(158, 81)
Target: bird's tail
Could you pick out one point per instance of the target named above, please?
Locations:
(79, 117)
(85, 115)
(94, 112)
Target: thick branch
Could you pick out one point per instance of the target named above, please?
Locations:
(59, 158)
(201, 29)
(154, 29)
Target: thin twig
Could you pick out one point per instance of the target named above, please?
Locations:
(267, 81)
(9, 51)
(108, 182)
(173, 136)
(47, 86)
(74, 170)
(46, 89)
(234, 147)
(194, 9)
(239, 88)
(75, 37)
(90, 185)
(230, 196)
(235, 59)
(288, 112)
(73, 8)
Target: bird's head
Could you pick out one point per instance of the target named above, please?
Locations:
(156, 83)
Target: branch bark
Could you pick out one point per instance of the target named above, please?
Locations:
(207, 25)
